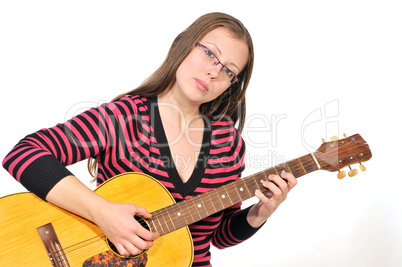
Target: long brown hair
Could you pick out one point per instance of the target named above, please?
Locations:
(231, 103)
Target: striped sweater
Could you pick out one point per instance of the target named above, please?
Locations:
(127, 135)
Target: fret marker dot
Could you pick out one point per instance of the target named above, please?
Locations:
(223, 196)
(199, 205)
(178, 214)
(241, 188)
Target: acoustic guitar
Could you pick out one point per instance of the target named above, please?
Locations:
(36, 233)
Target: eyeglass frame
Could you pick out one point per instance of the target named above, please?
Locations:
(235, 78)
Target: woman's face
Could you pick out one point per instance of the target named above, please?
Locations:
(199, 78)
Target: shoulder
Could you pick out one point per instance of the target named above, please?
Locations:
(127, 106)
(225, 133)
(132, 101)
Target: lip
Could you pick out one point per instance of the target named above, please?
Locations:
(201, 85)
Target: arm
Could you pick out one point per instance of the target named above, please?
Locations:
(38, 162)
(116, 220)
(238, 225)
(279, 188)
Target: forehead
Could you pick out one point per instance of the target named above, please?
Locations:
(228, 47)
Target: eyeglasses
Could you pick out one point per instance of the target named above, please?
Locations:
(215, 61)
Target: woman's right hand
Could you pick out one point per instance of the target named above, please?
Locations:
(117, 222)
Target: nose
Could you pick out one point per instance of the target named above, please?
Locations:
(214, 70)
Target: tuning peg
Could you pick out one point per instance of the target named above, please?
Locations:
(323, 140)
(362, 167)
(344, 135)
(352, 172)
(334, 138)
(341, 174)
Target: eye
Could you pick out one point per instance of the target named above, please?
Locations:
(228, 72)
(209, 53)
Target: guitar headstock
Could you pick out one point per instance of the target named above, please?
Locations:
(337, 154)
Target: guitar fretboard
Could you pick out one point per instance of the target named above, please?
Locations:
(203, 205)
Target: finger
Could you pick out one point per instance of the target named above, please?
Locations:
(132, 249)
(143, 212)
(282, 184)
(146, 234)
(133, 246)
(262, 196)
(273, 188)
(141, 244)
(290, 178)
(121, 249)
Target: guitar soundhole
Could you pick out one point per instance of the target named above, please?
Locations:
(112, 247)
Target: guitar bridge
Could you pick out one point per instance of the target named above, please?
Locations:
(52, 245)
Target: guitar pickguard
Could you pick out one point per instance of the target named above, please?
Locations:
(109, 259)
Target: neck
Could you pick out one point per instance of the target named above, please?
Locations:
(176, 108)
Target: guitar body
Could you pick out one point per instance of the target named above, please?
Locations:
(36, 233)
(82, 241)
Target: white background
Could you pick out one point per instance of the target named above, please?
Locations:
(322, 68)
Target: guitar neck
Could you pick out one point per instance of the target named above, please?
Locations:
(201, 206)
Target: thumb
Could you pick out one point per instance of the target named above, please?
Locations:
(141, 211)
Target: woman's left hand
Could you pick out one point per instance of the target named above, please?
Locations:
(278, 190)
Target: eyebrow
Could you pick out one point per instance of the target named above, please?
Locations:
(220, 52)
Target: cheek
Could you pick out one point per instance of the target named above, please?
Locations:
(188, 66)
(221, 88)
(218, 90)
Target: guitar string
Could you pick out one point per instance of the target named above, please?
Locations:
(214, 198)
(156, 214)
(93, 243)
(71, 256)
(82, 247)
(101, 237)
(70, 249)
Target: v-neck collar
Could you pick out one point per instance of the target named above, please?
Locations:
(192, 183)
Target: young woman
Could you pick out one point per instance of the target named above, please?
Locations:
(178, 126)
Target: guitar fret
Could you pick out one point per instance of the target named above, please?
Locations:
(210, 200)
(153, 222)
(192, 200)
(191, 215)
(294, 165)
(236, 198)
(203, 205)
(244, 183)
(167, 226)
(174, 227)
(301, 164)
(220, 200)
(257, 184)
(288, 168)
(180, 215)
(160, 224)
(230, 199)
(237, 191)
(186, 213)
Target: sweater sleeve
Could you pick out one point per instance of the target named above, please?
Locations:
(39, 160)
(234, 227)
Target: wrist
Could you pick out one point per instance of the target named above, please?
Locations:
(254, 218)
(95, 206)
